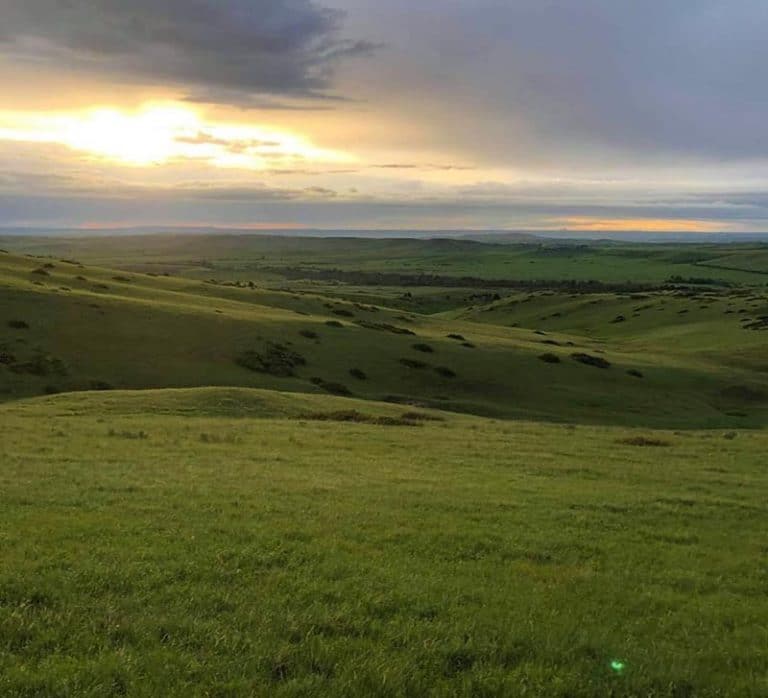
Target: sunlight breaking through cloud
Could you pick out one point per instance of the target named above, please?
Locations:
(161, 133)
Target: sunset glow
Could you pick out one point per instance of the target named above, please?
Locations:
(655, 225)
(516, 115)
(157, 134)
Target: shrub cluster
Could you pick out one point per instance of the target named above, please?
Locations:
(276, 360)
(331, 387)
(384, 327)
(589, 360)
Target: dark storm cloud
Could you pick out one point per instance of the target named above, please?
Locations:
(532, 79)
(238, 48)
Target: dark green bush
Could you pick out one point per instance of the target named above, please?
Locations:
(7, 358)
(413, 363)
(589, 360)
(360, 417)
(331, 387)
(384, 327)
(41, 365)
(421, 416)
(642, 441)
(275, 360)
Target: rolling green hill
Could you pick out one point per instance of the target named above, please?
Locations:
(240, 542)
(727, 326)
(228, 482)
(70, 327)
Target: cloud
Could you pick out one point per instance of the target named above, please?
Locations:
(237, 50)
(75, 197)
(558, 82)
(422, 166)
(51, 186)
(244, 194)
(233, 145)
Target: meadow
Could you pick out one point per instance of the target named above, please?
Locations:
(238, 256)
(221, 481)
(195, 543)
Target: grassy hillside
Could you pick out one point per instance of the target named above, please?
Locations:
(240, 542)
(234, 482)
(69, 327)
(723, 325)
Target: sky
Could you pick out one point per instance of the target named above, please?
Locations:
(583, 115)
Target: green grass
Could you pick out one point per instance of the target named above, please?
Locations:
(93, 327)
(475, 521)
(261, 257)
(270, 554)
(710, 322)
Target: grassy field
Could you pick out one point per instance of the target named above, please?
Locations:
(725, 325)
(68, 327)
(234, 542)
(231, 482)
(261, 257)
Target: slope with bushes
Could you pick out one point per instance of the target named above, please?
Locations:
(70, 327)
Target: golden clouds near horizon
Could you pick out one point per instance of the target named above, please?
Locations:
(158, 134)
(654, 225)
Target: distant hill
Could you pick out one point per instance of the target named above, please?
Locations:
(67, 326)
(480, 235)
